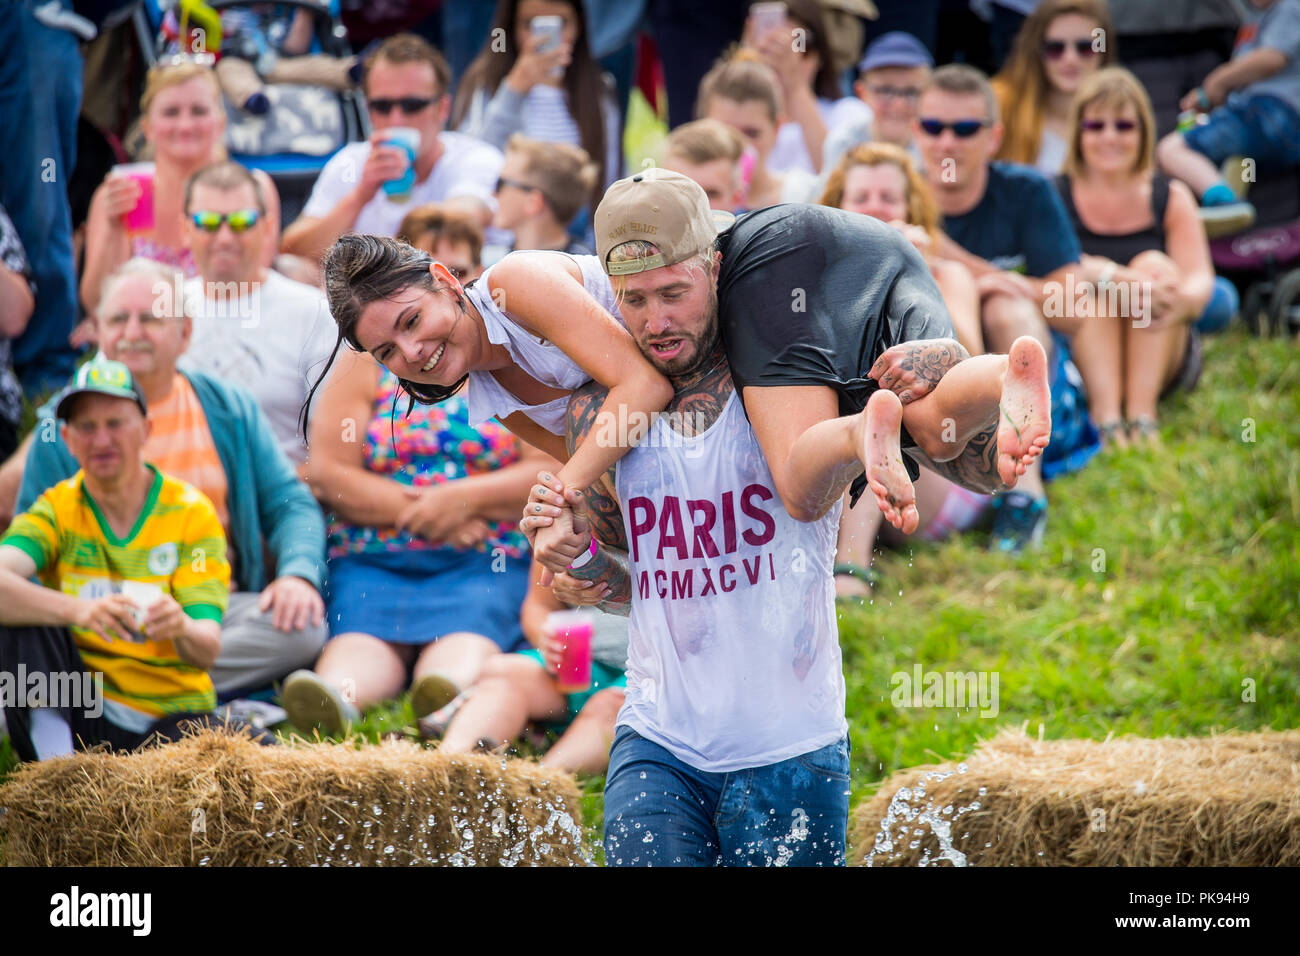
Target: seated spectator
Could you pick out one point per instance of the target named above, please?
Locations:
(406, 85)
(543, 186)
(17, 302)
(891, 74)
(799, 53)
(452, 236)
(1007, 225)
(708, 152)
(184, 123)
(516, 689)
(1253, 102)
(212, 435)
(744, 93)
(1140, 235)
(252, 326)
(427, 567)
(880, 180)
(1061, 44)
(522, 82)
(134, 583)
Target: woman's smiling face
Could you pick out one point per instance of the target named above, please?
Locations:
(421, 335)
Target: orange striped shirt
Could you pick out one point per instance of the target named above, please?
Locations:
(180, 444)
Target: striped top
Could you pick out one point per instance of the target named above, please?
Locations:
(180, 444)
(176, 546)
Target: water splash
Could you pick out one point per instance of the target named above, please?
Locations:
(910, 811)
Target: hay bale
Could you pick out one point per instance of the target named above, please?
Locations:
(216, 799)
(1229, 800)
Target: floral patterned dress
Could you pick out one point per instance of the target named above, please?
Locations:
(400, 587)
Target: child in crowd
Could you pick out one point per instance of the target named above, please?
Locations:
(542, 187)
(708, 152)
(1253, 102)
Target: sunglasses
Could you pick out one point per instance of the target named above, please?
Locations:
(526, 187)
(1121, 126)
(407, 104)
(1055, 49)
(240, 219)
(962, 129)
(886, 92)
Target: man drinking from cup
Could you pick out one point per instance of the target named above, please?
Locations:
(370, 187)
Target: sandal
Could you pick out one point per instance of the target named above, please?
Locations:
(1144, 427)
(869, 576)
(1109, 431)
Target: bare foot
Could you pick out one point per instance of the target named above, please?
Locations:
(883, 459)
(1025, 422)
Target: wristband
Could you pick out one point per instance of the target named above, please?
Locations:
(1203, 99)
(1107, 273)
(583, 559)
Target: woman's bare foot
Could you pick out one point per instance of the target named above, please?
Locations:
(883, 459)
(1143, 430)
(1113, 434)
(1025, 420)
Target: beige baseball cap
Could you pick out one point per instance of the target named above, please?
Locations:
(658, 206)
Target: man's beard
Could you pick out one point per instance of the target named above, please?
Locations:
(697, 350)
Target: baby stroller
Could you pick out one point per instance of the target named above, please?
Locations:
(304, 126)
(1264, 261)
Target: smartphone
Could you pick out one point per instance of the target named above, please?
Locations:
(767, 17)
(551, 29)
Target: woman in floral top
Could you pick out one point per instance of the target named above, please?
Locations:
(427, 567)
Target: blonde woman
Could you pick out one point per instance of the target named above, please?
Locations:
(1060, 45)
(184, 123)
(1146, 253)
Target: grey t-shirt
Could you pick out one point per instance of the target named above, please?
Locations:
(1277, 28)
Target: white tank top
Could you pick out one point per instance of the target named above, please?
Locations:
(538, 357)
(733, 647)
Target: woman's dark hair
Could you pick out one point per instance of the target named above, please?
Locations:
(364, 269)
(583, 81)
(808, 15)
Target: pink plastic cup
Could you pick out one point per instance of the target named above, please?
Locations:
(574, 629)
(139, 219)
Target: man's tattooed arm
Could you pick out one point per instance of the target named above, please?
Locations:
(602, 502)
(975, 468)
(913, 369)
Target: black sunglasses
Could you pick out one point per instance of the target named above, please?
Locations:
(407, 104)
(1121, 125)
(526, 187)
(962, 129)
(1055, 49)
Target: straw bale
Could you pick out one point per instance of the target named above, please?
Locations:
(217, 799)
(1227, 800)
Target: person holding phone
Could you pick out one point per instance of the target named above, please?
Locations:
(544, 84)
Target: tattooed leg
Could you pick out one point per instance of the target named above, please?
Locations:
(975, 469)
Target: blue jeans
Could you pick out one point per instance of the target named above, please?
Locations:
(40, 97)
(1263, 128)
(662, 812)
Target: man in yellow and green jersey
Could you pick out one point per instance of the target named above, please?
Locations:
(134, 582)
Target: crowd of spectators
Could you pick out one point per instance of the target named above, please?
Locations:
(335, 547)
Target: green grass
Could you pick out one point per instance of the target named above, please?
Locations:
(1200, 540)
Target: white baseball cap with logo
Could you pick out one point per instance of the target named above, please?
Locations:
(661, 207)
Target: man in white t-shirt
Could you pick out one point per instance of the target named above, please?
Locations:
(406, 85)
(252, 326)
(732, 745)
